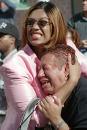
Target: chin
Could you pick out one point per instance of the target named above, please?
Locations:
(36, 44)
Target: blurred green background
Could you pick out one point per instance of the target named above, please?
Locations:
(21, 4)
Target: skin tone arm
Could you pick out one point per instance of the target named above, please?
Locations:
(51, 107)
(65, 91)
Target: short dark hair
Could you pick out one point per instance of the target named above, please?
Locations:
(61, 52)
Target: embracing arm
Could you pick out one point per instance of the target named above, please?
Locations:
(65, 91)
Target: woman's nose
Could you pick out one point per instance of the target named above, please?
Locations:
(35, 25)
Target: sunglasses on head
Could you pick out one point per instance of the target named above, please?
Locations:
(41, 22)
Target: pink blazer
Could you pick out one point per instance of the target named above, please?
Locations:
(21, 86)
(81, 58)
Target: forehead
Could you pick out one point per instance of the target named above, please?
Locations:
(49, 59)
(38, 13)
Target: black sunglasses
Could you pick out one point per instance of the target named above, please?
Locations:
(41, 22)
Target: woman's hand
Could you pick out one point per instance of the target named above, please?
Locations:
(74, 75)
(74, 70)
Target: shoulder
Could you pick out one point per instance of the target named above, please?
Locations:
(77, 17)
(76, 106)
(9, 4)
(15, 59)
(19, 58)
(79, 94)
(81, 89)
(20, 61)
(82, 82)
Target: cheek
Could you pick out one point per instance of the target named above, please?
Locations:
(47, 32)
(28, 34)
(6, 45)
(2, 43)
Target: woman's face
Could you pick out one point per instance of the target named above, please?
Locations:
(38, 28)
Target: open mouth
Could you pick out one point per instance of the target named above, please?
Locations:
(35, 33)
(35, 36)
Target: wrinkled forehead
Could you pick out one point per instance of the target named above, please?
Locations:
(55, 59)
(49, 58)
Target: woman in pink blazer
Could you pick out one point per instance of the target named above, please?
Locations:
(44, 28)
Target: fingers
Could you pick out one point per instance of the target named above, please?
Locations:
(44, 106)
(51, 108)
(76, 58)
(50, 100)
(74, 69)
(69, 60)
(58, 101)
(43, 110)
(45, 103)
(76, 61)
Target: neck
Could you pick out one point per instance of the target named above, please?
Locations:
(38, 50)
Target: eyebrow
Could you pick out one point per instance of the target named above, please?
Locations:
(39, 18)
